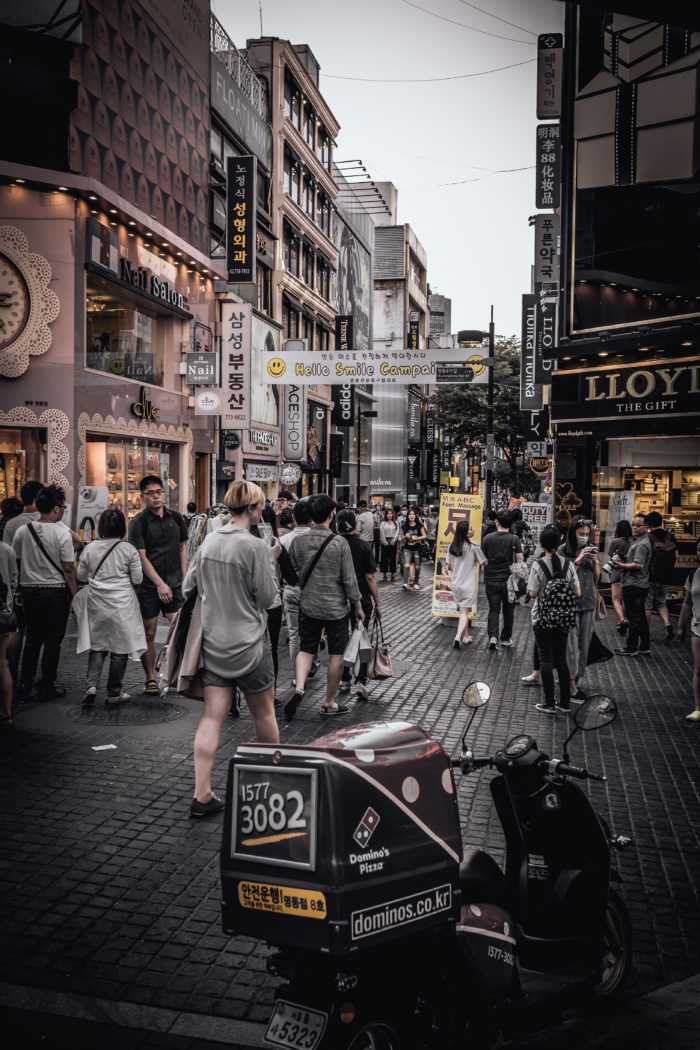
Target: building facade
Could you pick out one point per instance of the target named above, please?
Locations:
(626, 385)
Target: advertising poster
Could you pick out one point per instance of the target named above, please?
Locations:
(536, 516)
(92, 500)
(454, 507)
(620, 508)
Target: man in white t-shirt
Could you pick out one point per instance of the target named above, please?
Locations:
(47, 581)
(292, 595)
(365, 522)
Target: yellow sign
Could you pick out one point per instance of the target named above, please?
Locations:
(454, 507)
(454, 483)
(282, 900)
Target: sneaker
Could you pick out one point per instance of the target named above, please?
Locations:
(562, 707)
(89, 698)
(493, 643)
(392, 579)
(643, 652)
(531, 680)
(385, 577)
(506, 642)
(577, 698)
(203, 809)
(623, 627)
(361, 692)
(405, 586)
(290, 708)
(627, 652)
(548, 709)
(694, 716)
(456, 644)
(345, 687)
(669, 632)
(54, 692)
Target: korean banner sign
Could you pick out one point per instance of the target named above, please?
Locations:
(235, 365)
(241, 220)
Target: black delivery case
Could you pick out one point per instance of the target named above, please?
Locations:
(341, 844)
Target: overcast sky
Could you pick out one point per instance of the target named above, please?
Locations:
(397, 74)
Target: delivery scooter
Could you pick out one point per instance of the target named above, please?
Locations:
(346, 855)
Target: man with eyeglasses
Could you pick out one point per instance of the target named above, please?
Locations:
(160, 536)
(47, 580)
(635, 585)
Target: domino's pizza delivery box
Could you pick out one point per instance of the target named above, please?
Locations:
(342, 844)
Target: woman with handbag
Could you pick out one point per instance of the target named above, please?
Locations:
(8, 627)
(235, 576)
(414, 532)
(364, 565)
(462, 561)
(578, 547)
(107, 609)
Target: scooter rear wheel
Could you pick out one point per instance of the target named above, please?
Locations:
(377, 1035)
(617, 949)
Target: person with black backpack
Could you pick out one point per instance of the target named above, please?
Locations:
(554, 585)
(664, 551)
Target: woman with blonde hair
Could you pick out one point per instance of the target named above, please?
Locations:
(235, 575)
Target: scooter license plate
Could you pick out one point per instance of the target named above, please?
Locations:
(295, 1026)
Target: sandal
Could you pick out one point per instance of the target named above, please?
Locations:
(151, 687)
(112, 701)
(334, 709)
(8, 722)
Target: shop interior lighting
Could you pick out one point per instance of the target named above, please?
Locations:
(92, 197)
(113, 211)
(21, 181)
(132, 222)
(63, 189)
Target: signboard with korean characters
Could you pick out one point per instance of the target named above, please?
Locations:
(547, 239)
(241, 219)
(548, 166)
(402, 367)
(235, 365)
(550, 53)
(201, 369)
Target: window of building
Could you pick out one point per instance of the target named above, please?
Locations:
(323, 147)
(22, 458)
(292, 100)
(292, 250)
(119, 464)
(292, 175)
(322, 338)
(308, 198)
(123, 339)
(290, 320)
(323, 213)
(308, 330)
(264, 286)
(216, 142)
(322, 277)
(263, 189)
(308, 268)
(309, 126)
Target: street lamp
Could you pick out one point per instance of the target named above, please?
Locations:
(468, 337)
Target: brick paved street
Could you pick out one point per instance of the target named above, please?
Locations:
(110, 910)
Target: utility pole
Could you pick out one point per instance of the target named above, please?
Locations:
(490, 449)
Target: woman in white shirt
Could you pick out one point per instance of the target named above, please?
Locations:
(463, 560)
(388, 539)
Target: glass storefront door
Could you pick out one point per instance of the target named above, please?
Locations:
(121, 463)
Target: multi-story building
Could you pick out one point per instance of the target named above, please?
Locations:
(440, 309)
(400, 316)
(626, 386)
(302, 195)
(106, 276)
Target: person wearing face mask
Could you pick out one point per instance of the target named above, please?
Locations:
(581, 550)
(635, 587)
(691, 608)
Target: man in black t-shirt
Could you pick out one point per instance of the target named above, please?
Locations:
(160, 537)
(501, 548)
(365, 567)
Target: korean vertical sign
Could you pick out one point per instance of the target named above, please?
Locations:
(235, 365)
(549, 75)
(241, 220)
(548, 166)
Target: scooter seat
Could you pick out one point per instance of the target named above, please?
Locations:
(481, 880)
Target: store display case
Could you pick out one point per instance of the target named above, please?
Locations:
(121, 464)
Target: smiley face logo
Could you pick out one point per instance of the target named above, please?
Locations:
(476, 362)
(276, 367)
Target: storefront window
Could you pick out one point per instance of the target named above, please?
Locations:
(22, 458)
(119, 464)
(123, 340)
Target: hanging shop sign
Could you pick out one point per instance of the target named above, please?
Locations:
(241, 219)
(413, 334)
(294, 422)
(290, 473)
(368, 366)
(231, 104)
(343, 411)
(207, 401)
(530, 392)
(230, 440)
(618, 393)
(433, 468)
(225, 471)
(547, 239)
(414, 419)
(344, 332)
(550, 54)
(536, 425)
(263, 437)
(430, 432)
(201, 369)
(336, 443)
(143, 408)
(235, 365)
(548, 166)
(545, 339)
(536, 516)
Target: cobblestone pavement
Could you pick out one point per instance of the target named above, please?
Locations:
(110, 906)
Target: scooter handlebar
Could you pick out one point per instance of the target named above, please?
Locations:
(563, 769)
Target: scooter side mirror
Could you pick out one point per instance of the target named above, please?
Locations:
(476, 694)
(595, 712)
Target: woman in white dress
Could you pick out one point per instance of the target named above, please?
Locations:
(462, 560)
(107, 609)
